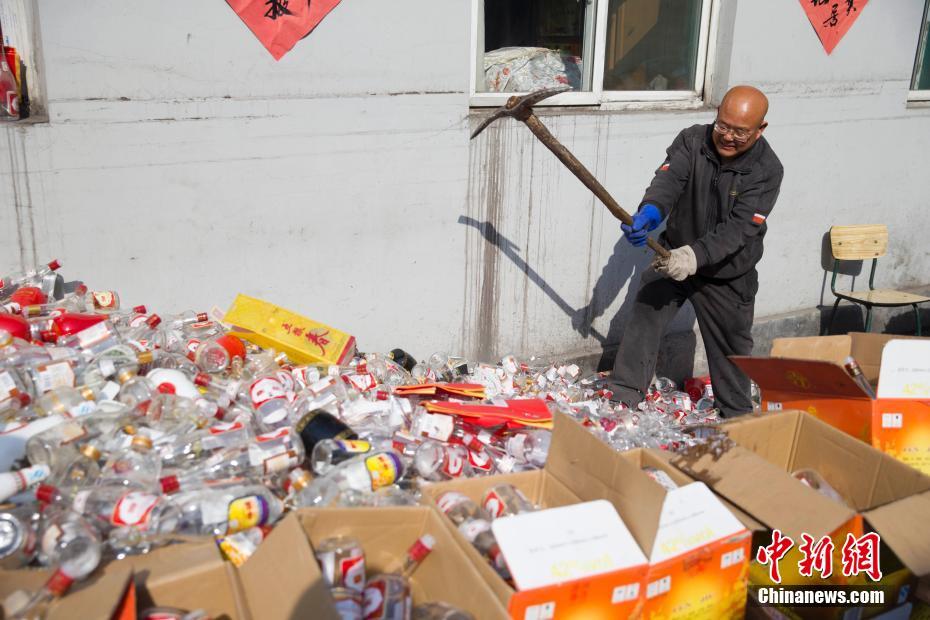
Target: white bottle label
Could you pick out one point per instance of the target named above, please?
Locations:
(134, 508)
(93, 335)
(51, 376)
(7, 385)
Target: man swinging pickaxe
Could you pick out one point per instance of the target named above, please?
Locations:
(521, 108)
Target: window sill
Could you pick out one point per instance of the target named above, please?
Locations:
(591, 101)
(918, 99)
(38, 119)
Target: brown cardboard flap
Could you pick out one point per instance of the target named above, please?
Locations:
(824, 348)
(797, 376)
(766, 492)
(864, 476)
(897, 480)
(770, 436)
(866, 348)
(905, 527)
(847, 464)
(593, 470)
(282, 579)
(96, 597)
(189, 575)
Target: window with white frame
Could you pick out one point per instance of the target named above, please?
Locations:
(605, 50)
(920, 81)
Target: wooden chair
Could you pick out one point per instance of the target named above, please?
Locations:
(860, 243)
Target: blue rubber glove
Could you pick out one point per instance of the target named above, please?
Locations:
(645, 221)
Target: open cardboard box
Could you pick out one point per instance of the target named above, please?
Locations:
(808, 374)
(881, 494)
(284, 575)
(696, 574)
(97, 597)
(188, 576)
(282, 579)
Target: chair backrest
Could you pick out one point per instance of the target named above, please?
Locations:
(859, 242)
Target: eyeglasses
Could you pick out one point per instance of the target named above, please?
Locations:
(739, 135)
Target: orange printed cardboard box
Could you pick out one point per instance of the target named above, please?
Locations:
(616, 594)
(699, 551)
(753, 469)
(808, 374)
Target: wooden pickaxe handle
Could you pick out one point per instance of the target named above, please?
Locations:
(585, 176)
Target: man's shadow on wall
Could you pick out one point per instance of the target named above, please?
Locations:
(625, 265)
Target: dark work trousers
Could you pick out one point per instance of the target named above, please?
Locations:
(724, 312)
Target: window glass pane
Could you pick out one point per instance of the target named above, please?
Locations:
(652, 44)
(533, 44)
(921, 80)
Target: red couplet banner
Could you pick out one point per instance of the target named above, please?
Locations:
(280, 24)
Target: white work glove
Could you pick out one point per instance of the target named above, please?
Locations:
(680, 264)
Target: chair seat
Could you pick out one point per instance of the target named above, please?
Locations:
(883, 297)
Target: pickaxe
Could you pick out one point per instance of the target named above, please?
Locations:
(521, 108)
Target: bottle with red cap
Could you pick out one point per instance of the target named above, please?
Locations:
(441, 461)
(185, 319)
(270, 454)
(69, 544)
(20, 328)
(475, 525)
(387, 596)
(10, 282)
(15, 393)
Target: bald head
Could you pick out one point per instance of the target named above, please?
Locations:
(742, 114)
(746, 102)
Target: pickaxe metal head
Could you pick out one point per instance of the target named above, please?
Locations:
(520, 107)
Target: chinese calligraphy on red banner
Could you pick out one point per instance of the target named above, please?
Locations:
(280, 24)
(832, 19)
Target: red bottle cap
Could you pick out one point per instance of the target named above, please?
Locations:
(421, 548)
(54, 265)
(202, 316)
(153, 321)
(58, 583)
(166, 388)
(202, 379)
(139, 310)
(169, 484)
(46, 493)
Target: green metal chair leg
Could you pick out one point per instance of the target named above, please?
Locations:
(917, 318)
(868, 319)
(832, 316)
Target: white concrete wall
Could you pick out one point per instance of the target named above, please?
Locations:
(181, 165)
